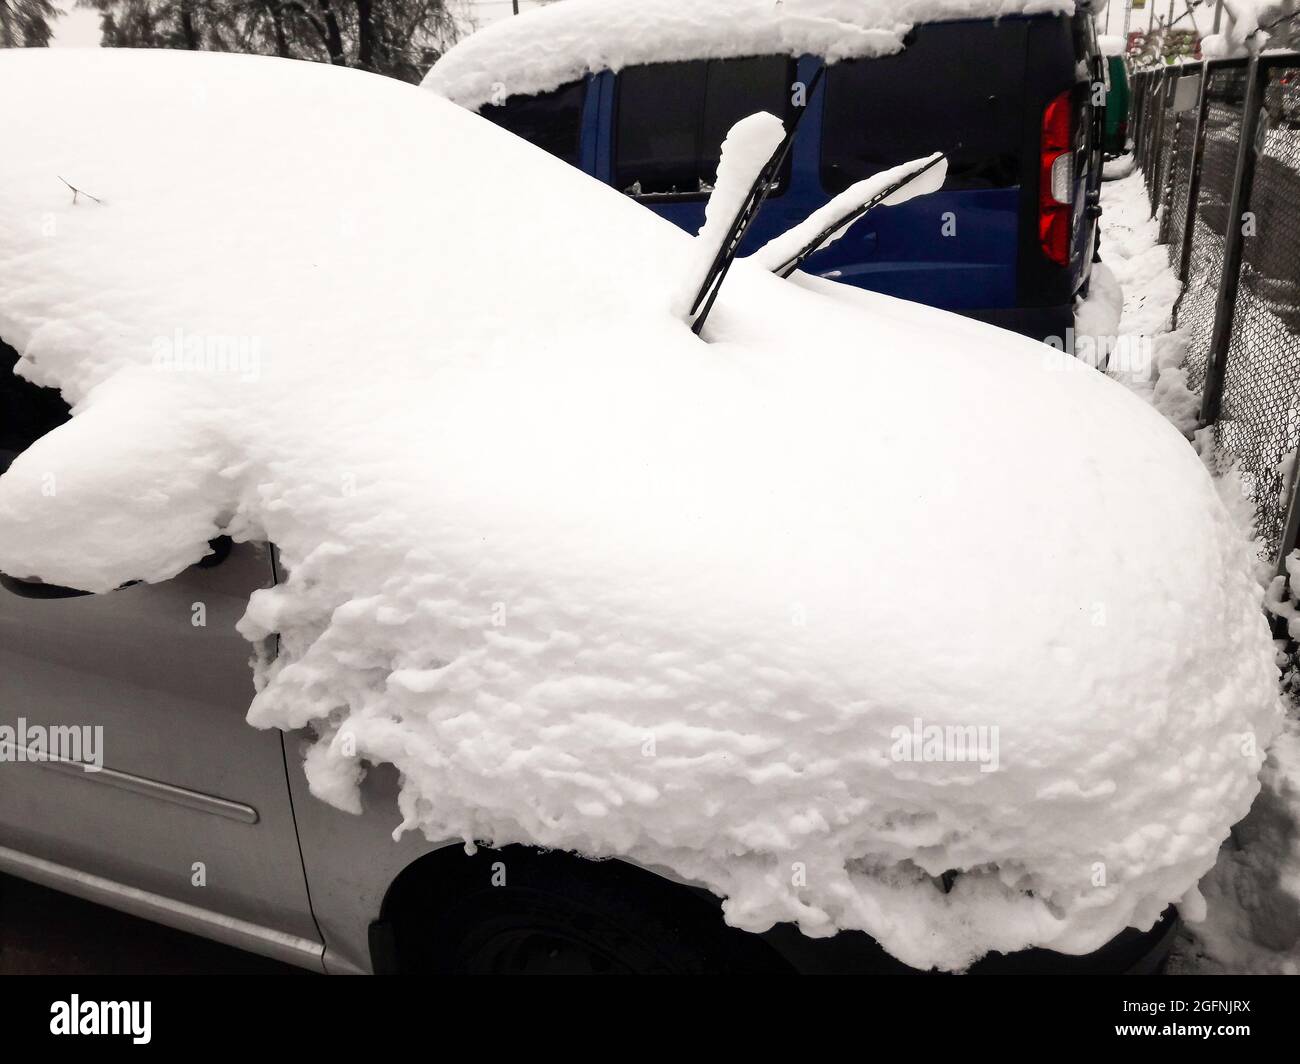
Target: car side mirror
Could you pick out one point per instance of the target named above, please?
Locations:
(35, 589)
(32, 589)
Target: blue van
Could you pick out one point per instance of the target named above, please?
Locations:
(1009, 239)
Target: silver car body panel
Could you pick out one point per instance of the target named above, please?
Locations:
(190, 822)
(241, 934)
(185, 778)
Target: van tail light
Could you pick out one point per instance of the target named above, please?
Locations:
(1056, 179)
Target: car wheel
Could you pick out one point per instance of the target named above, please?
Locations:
(519, 911)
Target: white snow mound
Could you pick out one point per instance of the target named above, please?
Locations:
(551, 46)
(1112, 44)
(592, 582)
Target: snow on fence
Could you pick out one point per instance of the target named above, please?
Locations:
(1218, 145)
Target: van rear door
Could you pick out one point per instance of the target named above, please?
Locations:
(958, 88)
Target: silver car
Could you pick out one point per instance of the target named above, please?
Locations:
(201, 822)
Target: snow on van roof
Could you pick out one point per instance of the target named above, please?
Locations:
(551, 46)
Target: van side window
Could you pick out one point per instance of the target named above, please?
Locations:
(671, 119)
(956, 87)
(27, 412)
(551, 120)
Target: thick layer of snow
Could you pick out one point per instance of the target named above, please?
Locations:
(590, 581)
(551, 46)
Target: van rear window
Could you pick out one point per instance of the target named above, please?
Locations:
(672, 118)
(957, 87)
(551, 120)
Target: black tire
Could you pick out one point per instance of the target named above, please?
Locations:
(559, 914)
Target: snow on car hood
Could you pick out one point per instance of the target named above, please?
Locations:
(593, 583)
(547, 47)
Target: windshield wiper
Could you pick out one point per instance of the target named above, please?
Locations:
(843, 221)
(748, 211)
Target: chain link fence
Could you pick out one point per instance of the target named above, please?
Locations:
(1220, 157)
(1217, 160)
(1176, 180)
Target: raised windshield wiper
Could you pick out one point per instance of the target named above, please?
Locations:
(787, 252)
(745, 215)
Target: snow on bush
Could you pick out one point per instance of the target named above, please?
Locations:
(850, 596)
(1245, 22)
(548, 47)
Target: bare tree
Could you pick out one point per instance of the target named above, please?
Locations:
(400, 38)
(26, 23)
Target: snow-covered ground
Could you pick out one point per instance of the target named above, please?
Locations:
(1252, 896)
(1150, 354)
(860, 614)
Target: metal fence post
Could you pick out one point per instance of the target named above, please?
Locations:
(1148, 121)
(1194, 178)
(1165, 172)
(1289, 529)
(1138, 123)
(1224, 306)
(1140, 139)
(1163, 81)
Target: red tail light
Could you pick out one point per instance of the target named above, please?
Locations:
(1056, 179)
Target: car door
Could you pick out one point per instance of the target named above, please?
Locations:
(191, 804)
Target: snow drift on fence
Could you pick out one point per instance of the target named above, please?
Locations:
(589, 581)
(1252, 913)
(548, 47)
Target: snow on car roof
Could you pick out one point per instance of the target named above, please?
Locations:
(849, 594)
(550, 46)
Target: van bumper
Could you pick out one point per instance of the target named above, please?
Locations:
(1038, 323)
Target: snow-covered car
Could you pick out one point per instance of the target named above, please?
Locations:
(874, 622)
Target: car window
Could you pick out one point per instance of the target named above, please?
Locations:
(551, 120)
(956, 87)
(672, 118)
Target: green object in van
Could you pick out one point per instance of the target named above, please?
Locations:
(1115, 137)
